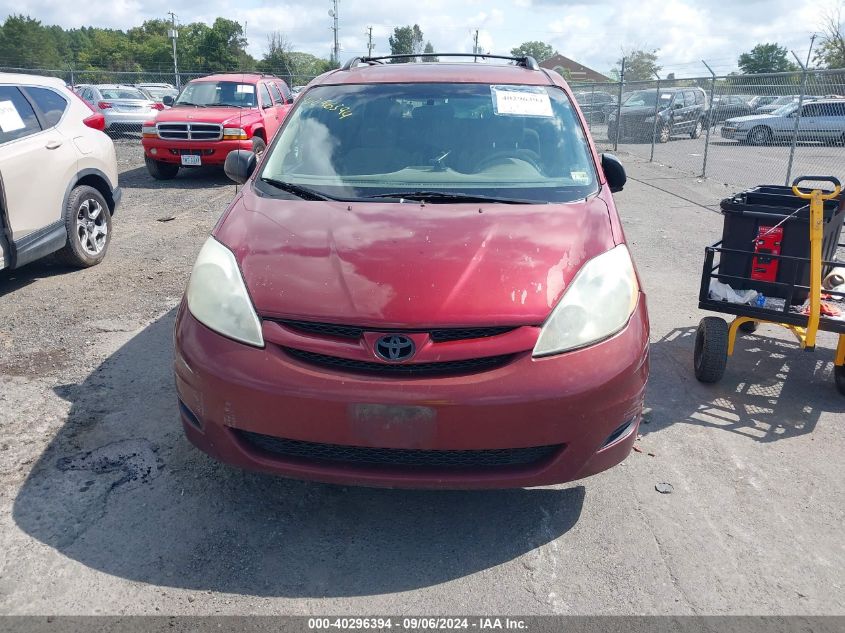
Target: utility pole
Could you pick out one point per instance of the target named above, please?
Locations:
(336, 48)
(475, 46)
(173, 35)
(369, 41)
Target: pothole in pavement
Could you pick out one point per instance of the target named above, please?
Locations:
(135, 458)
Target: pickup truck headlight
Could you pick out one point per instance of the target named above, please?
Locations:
(234, 133)
(217, 295)
(150, 131)
(597, 304)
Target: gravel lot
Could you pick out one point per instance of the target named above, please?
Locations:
(105, 507)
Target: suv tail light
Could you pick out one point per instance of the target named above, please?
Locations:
(103, 105)
(96, 121)
(157, 106)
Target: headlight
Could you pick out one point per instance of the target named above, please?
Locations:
(597, 304)
(149, 130)
(234, 133)
(217, 296)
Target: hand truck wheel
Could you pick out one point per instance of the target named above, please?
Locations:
(839, 378)
(749, 327)
(711, 349)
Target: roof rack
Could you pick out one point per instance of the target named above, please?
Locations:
(242, 72)
(525, 61)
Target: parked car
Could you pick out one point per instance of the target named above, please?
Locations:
(679, 111)
(211, 117)
(157, 92)
(58, 174)
(726, 107)
(821, 120)
(775, 104)
(595, 105)
(443, 299)
(125, 108)
(296, 90)
(759, 101)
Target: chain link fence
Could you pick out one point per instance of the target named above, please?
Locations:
(740, 130)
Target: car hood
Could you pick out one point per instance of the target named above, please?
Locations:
(181, 114)
(410, 264)
(752, 118)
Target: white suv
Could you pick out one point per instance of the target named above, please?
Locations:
(58, 174)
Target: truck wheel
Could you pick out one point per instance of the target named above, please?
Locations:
(696, 131)
(160, 170)
(258, 145)
(711, 349)
(88, 226)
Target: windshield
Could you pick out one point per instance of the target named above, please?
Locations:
(508, 141)
(782, 100)
(785, 110)
(218, 93)
(122, 93)
(646, 98)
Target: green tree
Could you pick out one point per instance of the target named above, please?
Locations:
(831, 50)
(765, 58)
(25, 43)
(538, 50)
(640, 65)
(406, 40)
(429, 50)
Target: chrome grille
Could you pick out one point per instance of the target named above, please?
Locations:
(190, 131)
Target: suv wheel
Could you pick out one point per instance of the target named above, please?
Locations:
(160, 170)
(696, 131)
(664, 133)
(258, 145)
(88, 226)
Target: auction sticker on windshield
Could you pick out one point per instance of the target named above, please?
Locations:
(521, 101)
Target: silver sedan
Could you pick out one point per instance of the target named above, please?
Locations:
(125, 108)
(822, 121)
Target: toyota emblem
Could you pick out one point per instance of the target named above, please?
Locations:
(394, 348)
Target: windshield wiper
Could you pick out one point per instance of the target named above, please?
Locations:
(443, 196)
(298, 190)
(188, 103)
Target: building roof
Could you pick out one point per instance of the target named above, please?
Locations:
(577, 72)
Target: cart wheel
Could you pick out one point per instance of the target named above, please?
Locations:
(839, 378)
(711, 349)
(748, 326)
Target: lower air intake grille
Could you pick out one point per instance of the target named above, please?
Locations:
(411, 370)
(366, 456)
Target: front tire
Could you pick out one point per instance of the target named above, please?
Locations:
(258, 145)
(711, 349)
(760, 135)
(160, 170)
(696, 131)
(88, 226)
(664, 133)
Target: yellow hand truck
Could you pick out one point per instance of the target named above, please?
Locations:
(715, 338)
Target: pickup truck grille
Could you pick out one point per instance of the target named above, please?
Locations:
(190, 131)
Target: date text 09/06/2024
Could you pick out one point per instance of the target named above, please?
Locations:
(416, 623)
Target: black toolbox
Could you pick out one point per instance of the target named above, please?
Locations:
(768, 206)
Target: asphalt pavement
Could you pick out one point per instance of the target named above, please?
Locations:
(106, 509)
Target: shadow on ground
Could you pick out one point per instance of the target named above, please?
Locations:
(772, 390)
(120, 490)
(187, 178)
(11, 280)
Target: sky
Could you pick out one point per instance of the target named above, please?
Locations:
(592, 33)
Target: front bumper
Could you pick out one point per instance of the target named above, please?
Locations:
(210, 152)
(574, 402)
(733, 133)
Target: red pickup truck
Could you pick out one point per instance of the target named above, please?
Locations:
(211, 117)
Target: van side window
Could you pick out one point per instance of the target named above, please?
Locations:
(51, 104)
(277, 96)
(17, 118)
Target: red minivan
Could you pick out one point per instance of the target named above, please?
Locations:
(422, 283)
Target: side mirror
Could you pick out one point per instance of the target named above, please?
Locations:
(168, 100)
(239, 165)
(613, 171)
